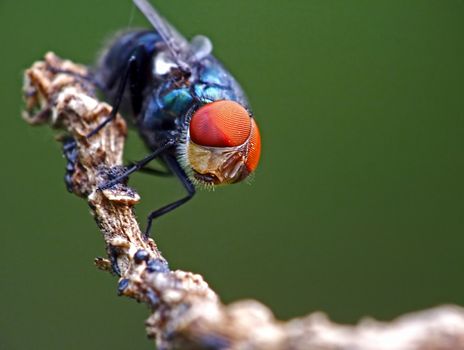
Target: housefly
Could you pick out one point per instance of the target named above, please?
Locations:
(188, 109)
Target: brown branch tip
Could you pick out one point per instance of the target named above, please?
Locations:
(185, 312)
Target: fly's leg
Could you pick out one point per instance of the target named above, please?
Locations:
(153, 171)
(139, 165)
(131, 64)
(175, 169)
(69, 145)
(188, 185)
(69, 148)
(134, 74)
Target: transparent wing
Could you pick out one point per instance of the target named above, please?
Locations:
(181, 50)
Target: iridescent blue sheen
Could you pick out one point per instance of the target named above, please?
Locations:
(167, 111)
(167, 103)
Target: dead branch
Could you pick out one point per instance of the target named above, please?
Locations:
(186, 313)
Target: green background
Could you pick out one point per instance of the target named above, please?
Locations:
(356, 208)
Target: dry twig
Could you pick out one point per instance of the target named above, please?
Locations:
(186, 313)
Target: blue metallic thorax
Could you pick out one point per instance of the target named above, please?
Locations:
(168, 101)
(168, 106)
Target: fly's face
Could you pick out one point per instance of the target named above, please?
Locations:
(223, 144)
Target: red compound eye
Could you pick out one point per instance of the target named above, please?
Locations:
(220, 124)
(254, 151)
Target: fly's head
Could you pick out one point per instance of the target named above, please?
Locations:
(222, 144)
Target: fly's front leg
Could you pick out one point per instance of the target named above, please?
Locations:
(138, 165)
(152, 171)
(177, 170)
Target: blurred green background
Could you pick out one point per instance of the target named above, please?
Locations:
(357, 206)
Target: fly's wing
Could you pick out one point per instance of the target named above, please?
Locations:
(183, 53)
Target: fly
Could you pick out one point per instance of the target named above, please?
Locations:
(191, 113)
